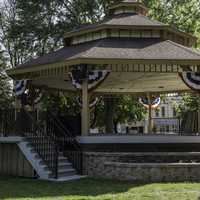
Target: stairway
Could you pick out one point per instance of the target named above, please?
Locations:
(66, 172)
(44, 147)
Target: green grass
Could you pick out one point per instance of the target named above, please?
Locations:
(95, 189)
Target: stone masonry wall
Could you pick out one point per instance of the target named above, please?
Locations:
(107, 165)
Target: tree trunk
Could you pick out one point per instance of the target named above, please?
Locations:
(109, 114)
(115, 126)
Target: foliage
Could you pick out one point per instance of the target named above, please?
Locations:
(114, 110)
(5, 86)
(189, 103)
(128, 109)
(183, 15)
(60, 103)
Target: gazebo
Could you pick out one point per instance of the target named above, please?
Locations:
(126, 53)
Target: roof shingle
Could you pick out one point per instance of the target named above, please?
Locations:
(123, 48)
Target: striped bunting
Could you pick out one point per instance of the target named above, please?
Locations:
(38, 96)
(154, 104)
(92, 104)
(191, 79)
(20, 87)
(26, 94)
(95, 77)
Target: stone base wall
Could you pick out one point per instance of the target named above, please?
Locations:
(107, 165)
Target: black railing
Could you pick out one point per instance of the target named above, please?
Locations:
(48, 138)
(8, 125)
(67, 141)
(43, 140)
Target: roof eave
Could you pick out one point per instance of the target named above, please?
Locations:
(105, 26)
(13, 73)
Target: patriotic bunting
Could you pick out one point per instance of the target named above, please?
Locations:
(20, 87)
(37, 96)
(154, 104)
(27, 94)
(94, 77)
(191, 79)
(92, 104)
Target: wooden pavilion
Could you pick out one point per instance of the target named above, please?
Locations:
(126, 53)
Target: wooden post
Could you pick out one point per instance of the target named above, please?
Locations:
(18, 107)
(150, 126)
(85, 119)
(199, 114)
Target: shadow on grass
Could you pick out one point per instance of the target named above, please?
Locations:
(27, 188)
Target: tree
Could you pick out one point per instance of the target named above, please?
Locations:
(5, 86)
(188, 111)
(115, 110)
(183, 15)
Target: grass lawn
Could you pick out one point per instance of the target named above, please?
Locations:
(93, 189)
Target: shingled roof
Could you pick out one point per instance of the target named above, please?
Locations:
(149, 48)
(119, 48)
(126, 19)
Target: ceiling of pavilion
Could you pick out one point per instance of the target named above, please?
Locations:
(117, 82)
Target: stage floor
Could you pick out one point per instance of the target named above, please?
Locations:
(137, 139)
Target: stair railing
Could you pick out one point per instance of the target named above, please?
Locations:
(43, 141)
(8, 126)
(68, 143)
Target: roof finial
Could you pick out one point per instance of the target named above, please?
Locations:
(129, 6)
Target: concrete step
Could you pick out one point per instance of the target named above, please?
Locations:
(67, 178)
(66, 172)
(64, 166)
(63, 160)
(60, 162)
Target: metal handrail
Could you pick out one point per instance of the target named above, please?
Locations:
(43, 142)
(65, 132)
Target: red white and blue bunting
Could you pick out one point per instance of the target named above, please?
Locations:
(38, 94)
(91, 105)
(154, 104)
(27, 94)
(191, 79)
(94, 77)
(20, 87)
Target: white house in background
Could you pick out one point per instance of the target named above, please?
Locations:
(165, 118)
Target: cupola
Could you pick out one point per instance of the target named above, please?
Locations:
(128, 6)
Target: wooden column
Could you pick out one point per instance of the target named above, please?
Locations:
(150, 124)
(198, 96)
(85, 109)
(199, 114)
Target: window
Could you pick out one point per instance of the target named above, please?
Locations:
(163, 111)
(157, 113)
(174, 112)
